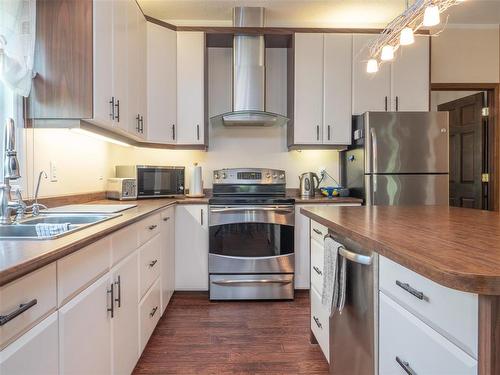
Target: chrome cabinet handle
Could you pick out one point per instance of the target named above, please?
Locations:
(153, 312)
(138, 122)
(112, 294)
(317, 132)
(318, 271)
(142, 124)
(152, 227)
(198, 132)
(405, 366)
(386, 104)
(397, 103)
(112, 103)
(201, 216)
(416, 293)
(22, 308)
(117, 106)
(166, 218)
(118, 283)
(317, 231)
(328, 132)
(318, 323)
(173, 132)
(152, 263)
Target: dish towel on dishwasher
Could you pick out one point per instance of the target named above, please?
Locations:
(45, 230)
(334, 277)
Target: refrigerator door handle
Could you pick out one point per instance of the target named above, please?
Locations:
(374, 149)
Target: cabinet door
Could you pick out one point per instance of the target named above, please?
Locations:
(308, 81)
(191, 247)
(103, 62)
(190, 87)
(35, 352)
(370, 91)
(162, 83)
(167, 256)
(125, 322)
(85, 331)
(120, 63)
(410, 77)
(302, 246)
(337, 106)
(142, 95)
(132, 110)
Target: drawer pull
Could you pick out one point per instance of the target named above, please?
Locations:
(318, 231)
(318, 271)
(410, 290)
(405, 366)
(318, 323)
(153, 312)
(22, 308)
(152, 227)
(166, 218)
(152, 263)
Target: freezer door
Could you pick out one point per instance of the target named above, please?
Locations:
(406, 142)
(406, 190)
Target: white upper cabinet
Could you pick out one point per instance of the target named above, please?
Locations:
(370, 91)
(337, 96)
(410, 76)
(103, 62)
(190, 88)
(162, 83)
(308, 82)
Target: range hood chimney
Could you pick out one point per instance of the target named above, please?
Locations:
(249, 75)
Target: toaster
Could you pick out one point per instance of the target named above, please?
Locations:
(121, 188)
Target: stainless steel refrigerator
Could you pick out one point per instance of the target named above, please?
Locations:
(398, 158)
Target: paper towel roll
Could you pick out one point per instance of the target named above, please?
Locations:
(196, 182)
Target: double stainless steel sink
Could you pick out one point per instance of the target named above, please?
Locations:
(27, 228)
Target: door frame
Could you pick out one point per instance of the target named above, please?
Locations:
(493, 91)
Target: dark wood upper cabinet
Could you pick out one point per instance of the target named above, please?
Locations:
(62, 88)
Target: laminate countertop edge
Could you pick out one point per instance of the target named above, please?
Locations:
(483, 284)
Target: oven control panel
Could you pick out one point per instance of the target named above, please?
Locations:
(249, 176)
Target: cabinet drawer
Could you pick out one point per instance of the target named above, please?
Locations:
(405, 338)
(317, 263)
(124, 242)
(149, 263)
(320, 323)
(38, 291)
(318, 231)
(149, 314)
(148, 228)
(451, 312)
(77, 271)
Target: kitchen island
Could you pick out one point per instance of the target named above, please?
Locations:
(453, 247)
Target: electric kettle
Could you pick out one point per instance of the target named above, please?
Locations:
(307, 186)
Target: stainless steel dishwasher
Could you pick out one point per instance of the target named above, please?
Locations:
(354, 332)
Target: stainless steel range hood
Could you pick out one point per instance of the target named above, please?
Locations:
(249, 76)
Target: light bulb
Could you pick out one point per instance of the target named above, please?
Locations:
(431, 15)
(372, 66)
(406, 36)
(387, 53)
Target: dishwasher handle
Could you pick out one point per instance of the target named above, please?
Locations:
(355, 257)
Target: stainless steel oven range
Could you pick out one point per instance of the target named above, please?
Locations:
(251, 229)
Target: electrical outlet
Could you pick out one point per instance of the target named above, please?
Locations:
(53, 172)
(322, 172)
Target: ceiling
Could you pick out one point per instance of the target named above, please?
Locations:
(310, 13)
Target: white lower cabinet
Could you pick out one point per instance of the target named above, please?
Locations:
(320, 323)
(85, 331)
(125, 344)
(149, 314)
(35, 352)
(191, 247)
(407, 345)
(167, 234)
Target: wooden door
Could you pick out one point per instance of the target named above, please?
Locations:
(466, 151)
(125, 322)
(190, 87)
(162, 83)
(337, 100)
(410, 77)
(370, 91)
(308, 81)
(85, 331)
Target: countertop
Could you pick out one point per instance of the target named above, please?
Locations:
(455, 247)
(19, 257)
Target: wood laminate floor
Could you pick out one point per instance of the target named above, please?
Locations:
(196, 336)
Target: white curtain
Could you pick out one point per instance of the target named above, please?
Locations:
(17, 44)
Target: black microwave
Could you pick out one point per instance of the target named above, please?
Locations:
(153, 182)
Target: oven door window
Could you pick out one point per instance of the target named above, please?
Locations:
(152, 181)
(252, 239)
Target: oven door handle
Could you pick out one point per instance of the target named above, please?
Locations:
(238, 209)
(260, 281)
